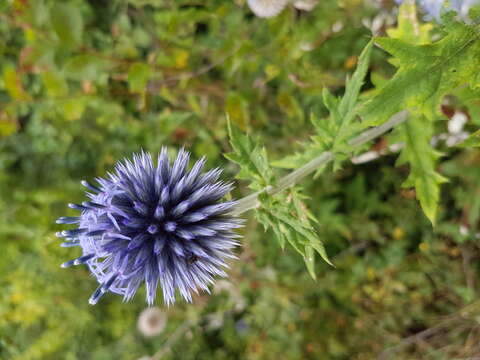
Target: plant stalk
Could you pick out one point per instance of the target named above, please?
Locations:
(251, 201)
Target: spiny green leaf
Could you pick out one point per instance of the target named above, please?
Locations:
(331, 103)
(421, 157)
(343, 111)
(251, 158)
(291, 221)
(426, 72)
(409, 28)
(309, 259)
(412, 59)
(334, 132)
(346, 108)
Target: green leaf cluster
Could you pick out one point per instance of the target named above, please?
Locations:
(284, 213)
(416, 134)
(287, 215)
(252, 159)
(333, 133)
(426, 72)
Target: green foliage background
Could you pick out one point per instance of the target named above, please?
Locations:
(84, 83)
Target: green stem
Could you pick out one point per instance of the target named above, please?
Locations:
(251, 201)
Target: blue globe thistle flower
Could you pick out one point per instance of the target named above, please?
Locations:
(162, 225)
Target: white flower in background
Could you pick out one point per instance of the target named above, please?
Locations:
(457, 122)
(379, 22)
(455, 126)
(270, 8)
(151, 322)
(267, 8)
(305, 5)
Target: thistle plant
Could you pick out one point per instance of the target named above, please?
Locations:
(164, 225)
(154, 224)
(160, 224)
(86, 85)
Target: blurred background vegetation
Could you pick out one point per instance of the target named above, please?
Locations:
(84, 83)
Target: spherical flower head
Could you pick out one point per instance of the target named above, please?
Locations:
(267, 8)
(161, 225)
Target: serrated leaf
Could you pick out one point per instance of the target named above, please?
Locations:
(291, 221)
(343, 111)
(346, 108)
(425, 72)
(422, 158)
(284, 213)
(333, 133)
(251, 158)
(408, 27)
(309, 259)
(331, 103)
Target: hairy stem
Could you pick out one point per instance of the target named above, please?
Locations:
(251, 201)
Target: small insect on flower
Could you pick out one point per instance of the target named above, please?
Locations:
(267, 8)
(163, 225)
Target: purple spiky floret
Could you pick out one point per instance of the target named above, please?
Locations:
(163, 225)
